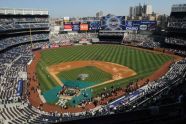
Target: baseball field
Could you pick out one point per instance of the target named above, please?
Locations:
(142, 63)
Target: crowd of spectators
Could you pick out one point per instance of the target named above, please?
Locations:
(7, 42)
(15, 54)
(177, 23)
(175, 41)
(172, 77)
(151, 44)
(148, 42)
(142, 41)
(12, 65)
(68, 39)
(23, 23)
(176, 51)
(136, 37)
(24, 112)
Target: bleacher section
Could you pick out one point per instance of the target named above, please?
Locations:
(12, 63)
(21, 31)
(7, 42)
(15, 20)
(176, 31)
(69, 39)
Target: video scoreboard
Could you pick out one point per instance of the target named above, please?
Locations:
(113, 23)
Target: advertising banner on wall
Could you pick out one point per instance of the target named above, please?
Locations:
(150, 25)
(95, 25)
(141, 25)
(131, 25)
(132, 28)
(136, 22)
(67, 27)
(84, 27)
(75, 26)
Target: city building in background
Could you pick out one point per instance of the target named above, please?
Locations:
(141, 11)
(99, 14)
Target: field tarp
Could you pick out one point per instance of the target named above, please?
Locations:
(84, 95)
(51, 95)
(79, 84)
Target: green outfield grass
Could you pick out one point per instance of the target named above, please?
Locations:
(95, 75)
(143, 62)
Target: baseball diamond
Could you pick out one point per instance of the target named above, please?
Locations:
(97, 71)
(62, 66)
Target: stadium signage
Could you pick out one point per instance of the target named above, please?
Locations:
(132, 28)
(67, 27)
(129, 23)
(95, 25)
(148, 22)
(84, 27)
(75, 27)
(19, 88)
(113, 23)
(143, 27)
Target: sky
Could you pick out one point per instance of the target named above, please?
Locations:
(82, 8)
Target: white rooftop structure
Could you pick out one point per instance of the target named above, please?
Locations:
(149, 9)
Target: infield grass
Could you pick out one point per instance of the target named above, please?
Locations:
(95, 75)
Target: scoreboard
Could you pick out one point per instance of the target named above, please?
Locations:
(113, 23)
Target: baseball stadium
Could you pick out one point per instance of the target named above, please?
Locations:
(102, 69)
